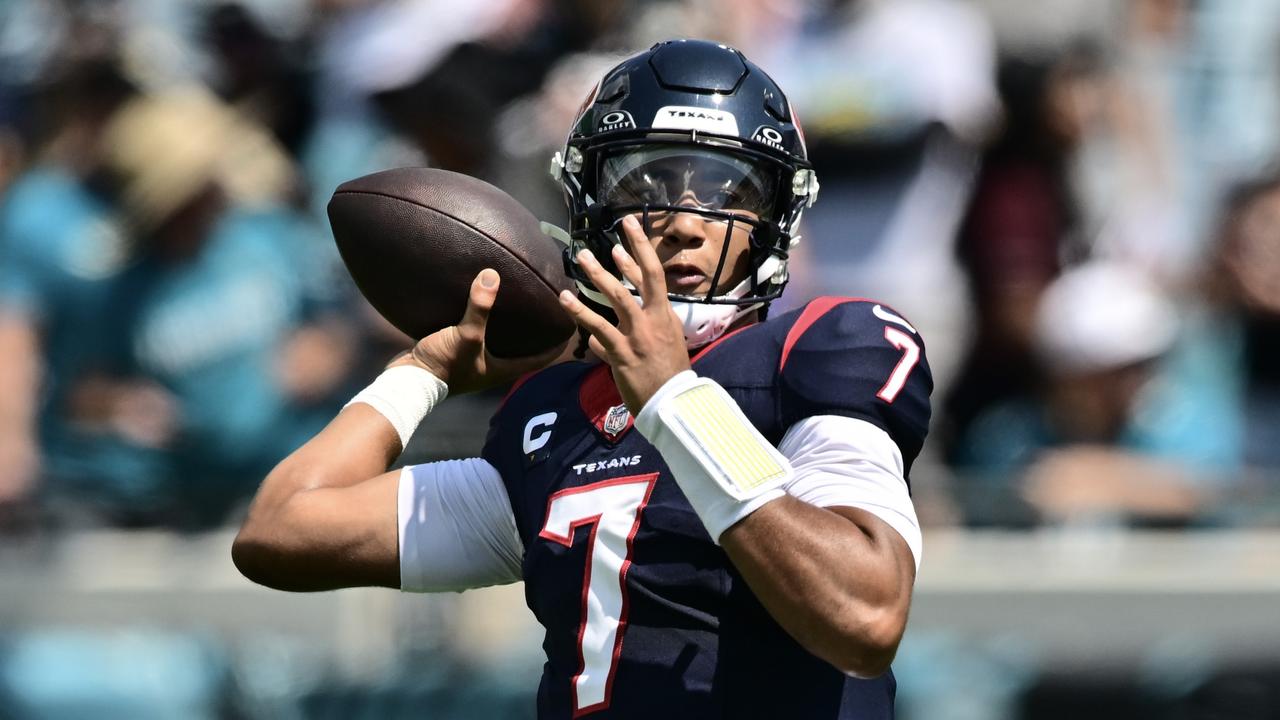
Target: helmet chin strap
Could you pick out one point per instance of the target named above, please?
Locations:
(704, 322)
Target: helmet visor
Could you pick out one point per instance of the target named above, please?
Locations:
(698, 177)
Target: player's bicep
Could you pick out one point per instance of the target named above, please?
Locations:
(456, 527)
(846, 462)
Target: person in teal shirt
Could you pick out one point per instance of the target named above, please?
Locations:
(61, 253)
(1134, 423)
(232, 309)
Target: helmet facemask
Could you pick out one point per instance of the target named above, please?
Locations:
(689, 160)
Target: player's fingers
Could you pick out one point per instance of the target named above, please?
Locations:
(653, 285)
(602, 330)
(626, 264)
(596, 347)
(623, 302)
(484, 292)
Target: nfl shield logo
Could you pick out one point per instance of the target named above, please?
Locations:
(616, 420)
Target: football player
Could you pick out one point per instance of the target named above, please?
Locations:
(711, 514)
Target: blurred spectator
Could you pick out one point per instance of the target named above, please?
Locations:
(177, 369)
(1242, 328)
(213, 311)
(1192, 106)
(59, 253)
(1230, 101)
(1128, 170)
(450, 110)
(257, 74)
(393, 95)
(896, 99)
(364, 47)
(1022, 222)
(531, 130)
(1097, 441)
(12, 148)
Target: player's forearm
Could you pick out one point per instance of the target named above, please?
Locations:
(327, 513)
(281, 543)
(356, 445)
(838, 580)
(360, 443)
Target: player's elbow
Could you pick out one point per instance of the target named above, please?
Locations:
(866, 649)
(247, 556)
(262, 551)
(258, 558)
(277, 565)
(869, 660)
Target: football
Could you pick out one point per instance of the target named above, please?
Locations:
(413, 240)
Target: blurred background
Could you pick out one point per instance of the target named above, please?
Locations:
(1077, 201)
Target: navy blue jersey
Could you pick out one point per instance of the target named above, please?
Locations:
(645, 616)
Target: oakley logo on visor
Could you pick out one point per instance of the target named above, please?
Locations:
(682, 117)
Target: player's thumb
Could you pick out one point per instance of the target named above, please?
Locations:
(484, 292)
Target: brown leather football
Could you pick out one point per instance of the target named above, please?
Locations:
(413, 239)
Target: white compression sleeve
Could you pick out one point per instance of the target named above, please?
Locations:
(403, 394)
(723, 464)
(841, 461)
(457, 530)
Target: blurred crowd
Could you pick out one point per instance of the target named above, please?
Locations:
(1078, 203)
(1080, 209)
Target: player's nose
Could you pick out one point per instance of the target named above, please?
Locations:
(685, 228)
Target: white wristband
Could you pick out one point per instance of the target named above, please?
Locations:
(725, 467)
(403, 394)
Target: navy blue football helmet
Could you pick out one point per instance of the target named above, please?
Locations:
(689, 126)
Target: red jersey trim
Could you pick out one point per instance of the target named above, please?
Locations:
(597, 394)
(811, 314)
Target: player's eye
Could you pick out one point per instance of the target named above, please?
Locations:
(637, 189)
(728, 194)
(650, 194)
(726, 198)
(680, 176)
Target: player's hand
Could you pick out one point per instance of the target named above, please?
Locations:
(647, 347)
(457, 354)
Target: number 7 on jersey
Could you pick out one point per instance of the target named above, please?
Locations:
(910, 356)
(612, 508)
